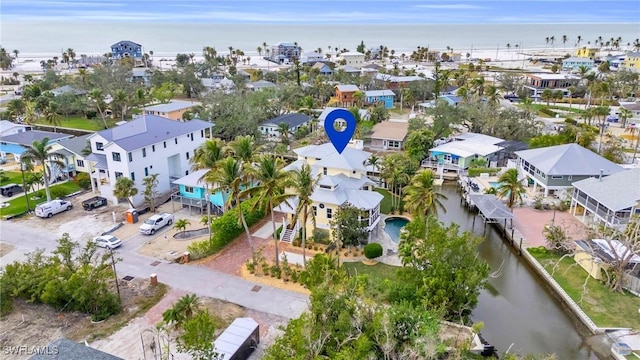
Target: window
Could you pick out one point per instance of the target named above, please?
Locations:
(164, 143)
(130, 155)
(118, 175)
(315, 211)
(329, 213)
(187, 153)
(153, 148)
(201, 133)
(133, 176)
(146, 172)
(188, 189)
(176, 141)
(99, 146)
(80, 163)
(324, 171)
(144, 152)
(556, 176)
(115, 156)
(393, 144)
(569, 177)
(191, 136)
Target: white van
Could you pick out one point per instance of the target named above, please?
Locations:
(48, 209)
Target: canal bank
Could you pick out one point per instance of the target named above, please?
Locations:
(521, 314)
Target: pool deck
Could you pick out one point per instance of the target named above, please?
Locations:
(390, 247)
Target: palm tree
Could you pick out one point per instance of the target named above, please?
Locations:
(71, 54)
(40, 151)
(181, 225)
(98, 97)
(304, 183)
(421, 196)
(208, 156)
(510, 187)
(30, 114)
(625, 114)
(375, 161)
(16, 52)
(270, 189)
(121, 101)
(125, 189)
(51, 116)
(283, 129)
(244, 148)
(565, 38)
(230, 178)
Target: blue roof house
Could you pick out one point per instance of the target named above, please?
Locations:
(376, 96)
(18, 143)
(126, 48)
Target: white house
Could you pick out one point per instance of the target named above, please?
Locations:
(9, 128)
(271, 128)
(353, 58)
(141, 147)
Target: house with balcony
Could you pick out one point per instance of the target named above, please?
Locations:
(173, 110)
(352, 58)
(456, 155)
(342, 181)
(294, 121)
(555, 168)
(538, 82)
(143, 146)
(389, 135)
(194, 192)
(18, 143)
(610, 201)
(285, 52)
(574, 63)
(124, 49)
(344, 94)
(373, 97)
(632, 61)
(71, 153)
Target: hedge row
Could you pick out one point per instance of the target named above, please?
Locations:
(225, 229)
(473, 172)
(547, 111)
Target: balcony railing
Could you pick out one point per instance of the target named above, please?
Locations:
(435, 164)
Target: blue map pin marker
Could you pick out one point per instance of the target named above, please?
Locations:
(340, 139)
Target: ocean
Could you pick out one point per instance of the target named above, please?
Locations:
(49, 38)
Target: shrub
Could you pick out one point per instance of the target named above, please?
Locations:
(321, 236)
(278, 232)
(372, 251)
(265, 268)
(251, 267)
(82, 180)
(547, 112)
(276, 272)
(57, 192)
(570, 121)
(296, 242)
(294, 276)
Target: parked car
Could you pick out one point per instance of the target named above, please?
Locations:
(156, 222)
(94, 202)
(10, 189)
(52, 207)
(107, 241)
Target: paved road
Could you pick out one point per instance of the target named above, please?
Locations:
(195, 279)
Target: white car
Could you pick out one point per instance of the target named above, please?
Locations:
(107, 241)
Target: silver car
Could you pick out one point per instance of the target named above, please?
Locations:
(107, 241)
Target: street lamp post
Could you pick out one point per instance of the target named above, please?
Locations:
(23, 168)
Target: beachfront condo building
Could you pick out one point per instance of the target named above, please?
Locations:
(632, 61)
(285, 52)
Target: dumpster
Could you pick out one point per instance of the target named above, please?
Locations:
(132, 216)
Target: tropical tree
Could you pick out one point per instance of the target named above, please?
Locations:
(150, 190)
(304, 183)
(30, 113)
(181, 225)
(98, 98)
(510, 187)
(270, 189)
(51, 116)
(230, 177)
(125, 189)
(244, 148)
(625, 114)
(40, 151)
(283, 129)
(421, 197)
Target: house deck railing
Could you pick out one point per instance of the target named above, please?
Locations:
(427, 163)
(600, 210)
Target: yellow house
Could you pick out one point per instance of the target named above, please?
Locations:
(585, 52)
(632, 61)
(71, 155)
(342, 181)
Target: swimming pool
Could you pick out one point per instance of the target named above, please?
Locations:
(393, 225)
(494, 184)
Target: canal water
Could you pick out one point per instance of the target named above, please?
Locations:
(518, 311)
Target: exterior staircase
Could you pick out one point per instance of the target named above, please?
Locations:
(288, 234)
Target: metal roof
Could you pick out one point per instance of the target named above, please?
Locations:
(379, 93)
(150, 129)
(568, 159)
(347, 88)
(193, 179)
(28, 137)
(491, 207)
(616, 192)
(70, 350)
(292, 119)
(234, 337)
(76, 145)
(173, 105)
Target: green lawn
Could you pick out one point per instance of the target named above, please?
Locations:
(378, 272)
(385, 205)
(18, 205)
(13, 177)
(605, 308)
(79, 122)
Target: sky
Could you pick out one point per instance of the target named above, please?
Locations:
(326, 11)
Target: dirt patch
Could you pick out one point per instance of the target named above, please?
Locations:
(5, 249)
(273, 282)
(166, 247)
